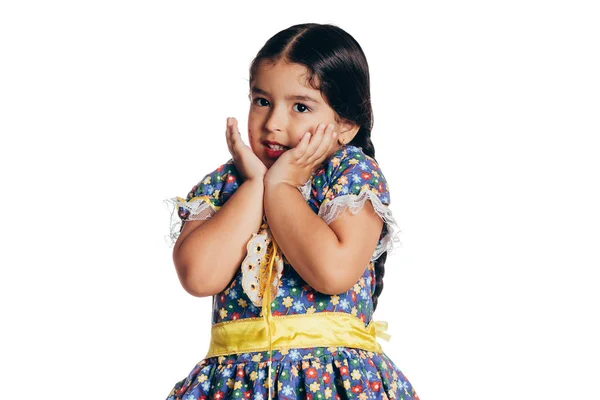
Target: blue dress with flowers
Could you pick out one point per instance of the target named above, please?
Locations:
(346, 180)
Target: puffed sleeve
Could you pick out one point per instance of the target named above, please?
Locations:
(349, 179)
(204, 199)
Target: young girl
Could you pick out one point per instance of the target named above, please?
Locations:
(291, 234)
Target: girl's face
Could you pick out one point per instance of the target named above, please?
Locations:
(282, 108)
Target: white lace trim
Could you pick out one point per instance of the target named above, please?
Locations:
(305, 189)
(333, 209)
(199, 208)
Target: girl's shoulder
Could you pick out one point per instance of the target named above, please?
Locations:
(213, 190)
(205, 198)
(217, 185)
(348, 180)
(349, 171)
(350, 155)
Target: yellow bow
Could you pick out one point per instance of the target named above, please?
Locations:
(380, 330)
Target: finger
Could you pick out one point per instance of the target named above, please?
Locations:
(234, 140)
(323, 145)
(236, 136)
(228, 136)
(326, 142)
(303, 153)
(330, 151)
(299, 152)
(315, 140)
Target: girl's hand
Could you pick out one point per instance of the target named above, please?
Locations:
(246, 162)
(296, 165)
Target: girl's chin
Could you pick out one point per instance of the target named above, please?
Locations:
(269, 156)
(267, 162)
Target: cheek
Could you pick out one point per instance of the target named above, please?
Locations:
(252, 138)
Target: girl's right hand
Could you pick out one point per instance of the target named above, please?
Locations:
(246, 162)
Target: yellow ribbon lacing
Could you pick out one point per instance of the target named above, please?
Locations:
(268, 318)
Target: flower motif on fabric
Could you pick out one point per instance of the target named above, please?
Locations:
(256, 263)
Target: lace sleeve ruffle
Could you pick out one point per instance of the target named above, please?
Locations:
(198, 208)
(333, 209)
(305, 189)
(203, 200)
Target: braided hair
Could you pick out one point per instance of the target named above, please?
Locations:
(367, 146)
(338, 68)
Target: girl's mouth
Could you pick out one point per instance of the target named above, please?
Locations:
(275, 151)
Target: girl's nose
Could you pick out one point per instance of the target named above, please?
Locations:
(276, 120)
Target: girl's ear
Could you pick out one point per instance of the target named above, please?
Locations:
(347, 131)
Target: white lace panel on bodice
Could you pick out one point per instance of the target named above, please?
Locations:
(255, 267)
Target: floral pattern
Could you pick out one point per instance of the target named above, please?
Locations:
(312, 373)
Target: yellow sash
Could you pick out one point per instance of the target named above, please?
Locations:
(322, 329)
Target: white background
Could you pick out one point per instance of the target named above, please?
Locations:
(486, 127)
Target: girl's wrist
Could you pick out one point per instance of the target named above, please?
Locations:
(254, 180)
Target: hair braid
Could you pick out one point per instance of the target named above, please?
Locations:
(363, 140)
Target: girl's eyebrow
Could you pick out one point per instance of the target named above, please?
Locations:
(257, 90)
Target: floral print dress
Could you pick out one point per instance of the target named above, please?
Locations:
(346, 180)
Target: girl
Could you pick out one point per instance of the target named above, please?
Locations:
(291, 234)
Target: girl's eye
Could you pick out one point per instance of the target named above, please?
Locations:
(259, 102)
(301, 107)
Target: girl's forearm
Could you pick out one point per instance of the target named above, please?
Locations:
(306, 240)
(208, 257)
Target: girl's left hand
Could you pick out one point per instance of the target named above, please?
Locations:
(296, 165)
